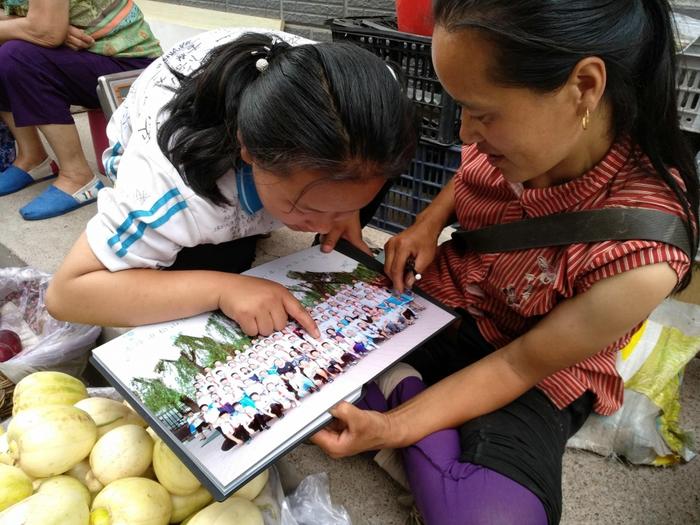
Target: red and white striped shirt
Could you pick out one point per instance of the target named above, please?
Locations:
(508, 293)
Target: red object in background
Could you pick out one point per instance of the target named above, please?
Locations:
(98, 130)
(10, 345)
(415, 16)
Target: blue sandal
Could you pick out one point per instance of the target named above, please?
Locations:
(14, 179)
(53, 202)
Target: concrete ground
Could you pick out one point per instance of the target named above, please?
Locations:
(596, 490)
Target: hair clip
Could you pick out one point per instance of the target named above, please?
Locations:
(261, 64)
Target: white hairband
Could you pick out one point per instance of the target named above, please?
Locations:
(261, 64)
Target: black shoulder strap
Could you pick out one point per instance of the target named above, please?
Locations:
(607, 224)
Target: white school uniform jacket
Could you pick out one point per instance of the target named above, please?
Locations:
(151, 214)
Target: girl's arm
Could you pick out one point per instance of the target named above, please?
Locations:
(46, 24)
(84, 291)
(575, 330)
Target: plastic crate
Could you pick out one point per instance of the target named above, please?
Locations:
(439, 114)
(689, 88)
(431, 169)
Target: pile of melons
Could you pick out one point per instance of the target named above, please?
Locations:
(70, 459)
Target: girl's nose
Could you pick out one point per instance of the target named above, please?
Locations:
(467, 130)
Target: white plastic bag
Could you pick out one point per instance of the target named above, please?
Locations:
(47, 344)
(311, 504)
(646, 429)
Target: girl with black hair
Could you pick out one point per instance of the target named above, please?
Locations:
(228, 136)
(566, 106)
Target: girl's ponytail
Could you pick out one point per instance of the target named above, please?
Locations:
(199, 136)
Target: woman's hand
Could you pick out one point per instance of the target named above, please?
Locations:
(418, 242)
(353, 431)
(260, 306)
(350, 230)
(77, 39)
(45, 25)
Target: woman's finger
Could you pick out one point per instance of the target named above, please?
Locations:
(77, 42)
(389, 251)
(87, 39)
(326, 440)
(398, 267)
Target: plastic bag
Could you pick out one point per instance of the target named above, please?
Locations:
(646, 429)
(311, 504)
(47, 344)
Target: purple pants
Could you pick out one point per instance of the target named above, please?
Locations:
(447, 491)
(39, 84)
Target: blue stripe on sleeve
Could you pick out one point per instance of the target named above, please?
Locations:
(155, 224)
(137, 214)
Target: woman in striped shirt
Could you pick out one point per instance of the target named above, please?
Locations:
(566, 106)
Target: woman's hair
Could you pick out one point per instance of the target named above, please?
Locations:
(333, 108)
(539, 42)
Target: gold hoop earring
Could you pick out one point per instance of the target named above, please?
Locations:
(586, 120)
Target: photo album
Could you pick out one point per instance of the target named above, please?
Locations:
(228, 405)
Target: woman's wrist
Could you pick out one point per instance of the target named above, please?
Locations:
(431, 223)
(396, 435)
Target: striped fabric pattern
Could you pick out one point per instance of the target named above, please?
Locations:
(137, 221)
(508, 293)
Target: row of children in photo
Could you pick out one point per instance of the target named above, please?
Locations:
(241, 396)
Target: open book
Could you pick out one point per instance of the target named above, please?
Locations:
(228, 405)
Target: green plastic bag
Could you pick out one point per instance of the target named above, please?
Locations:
(646, 429)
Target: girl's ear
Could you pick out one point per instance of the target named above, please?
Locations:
(588, 79)
(245, 154)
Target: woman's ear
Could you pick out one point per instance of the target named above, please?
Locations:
(588, 79)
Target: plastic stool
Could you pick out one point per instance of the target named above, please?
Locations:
(98, 130)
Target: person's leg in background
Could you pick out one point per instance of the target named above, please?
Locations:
(37, 87)
(31, 156)
(65, 143)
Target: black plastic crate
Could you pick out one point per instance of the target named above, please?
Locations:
(438, 113)
(688, 85)
(431, 169)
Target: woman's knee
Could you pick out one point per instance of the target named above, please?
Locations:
(15, 57)
(473, 495)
